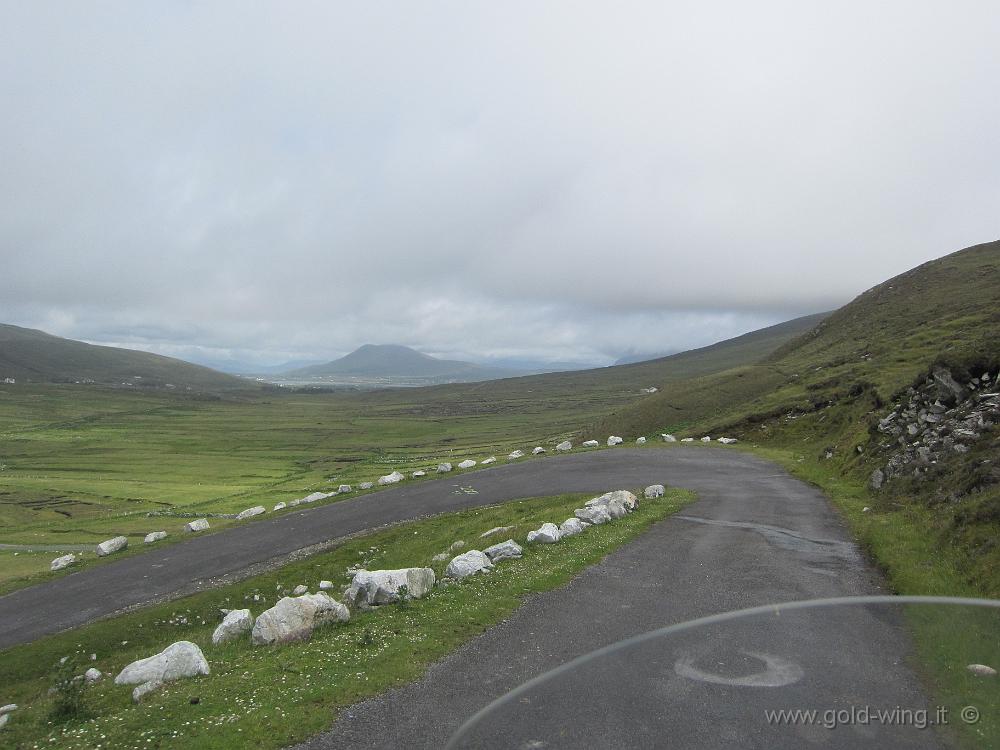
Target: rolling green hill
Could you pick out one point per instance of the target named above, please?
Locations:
(393, 362)
(31, 356)
(893, 391)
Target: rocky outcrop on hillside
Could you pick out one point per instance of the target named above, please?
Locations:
(938, 419)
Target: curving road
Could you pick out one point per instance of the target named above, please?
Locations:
(86, 595)
(755, 536)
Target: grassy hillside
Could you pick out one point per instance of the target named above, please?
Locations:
(80, 464)
(33, 356)
(820, 400)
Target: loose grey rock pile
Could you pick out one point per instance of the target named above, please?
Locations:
(941, 417)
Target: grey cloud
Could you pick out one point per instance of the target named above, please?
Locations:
(563, 180)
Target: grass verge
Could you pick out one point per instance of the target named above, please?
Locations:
(901, 541)
(271, 697)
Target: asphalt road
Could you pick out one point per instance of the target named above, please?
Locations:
(755, 536)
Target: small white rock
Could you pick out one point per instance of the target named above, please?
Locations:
(8, 708)
(982, 670)
(640, 441)
(668, 438)
(467, 464)
(572, 526)
(236, 623)
(727, 440)
(63, 562)
(866, 509)
(393, 478)
(344, 488)
(280, 506)
(300, 590)
(110, 546)
(443, 468)
(547, 533)
(154, 536)
(615, 440)
(145, 689)
(251, 512)
(590, 444)
(488, 461)
(508, 550)
(180, 659)
(325, 585)
(707, 439)
(687, 440)
(537, 450)
(92, 675)
(564, 446)
(200, 524)
(653, 491)
(469, 563)
(419, 473)
(365, 486)
(515, 455)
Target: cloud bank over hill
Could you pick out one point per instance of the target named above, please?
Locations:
(569, 181)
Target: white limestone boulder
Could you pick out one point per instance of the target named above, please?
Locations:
(154, 536)
(295, 618)
(443, 468)
(145, 689)
(110, 546)
(300, 590)
(393, 478)
(627, 499)
(279, 506)
(571, 527)
(488, 461)
(564, 446)
(515, 455)
(654, 491)
(509, 550)
(668, 438)
(727, 440)
(343, 488)
(178, 660)
(468, 564)
(595, 514)
(590, 444)
(547, 533)
(325, 585)
(62, 562)
(377, 587)
(92, 675)
(687, 440)
(467, 464)
(235, 624)
(615, 440)
(366, 485)
(419, 473)
(256, 510)
(707, 439)
(640, 441)
(538, 450)
(199, 524)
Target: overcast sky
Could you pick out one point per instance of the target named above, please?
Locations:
(560, 180)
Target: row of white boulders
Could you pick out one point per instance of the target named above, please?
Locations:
(599, 510)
